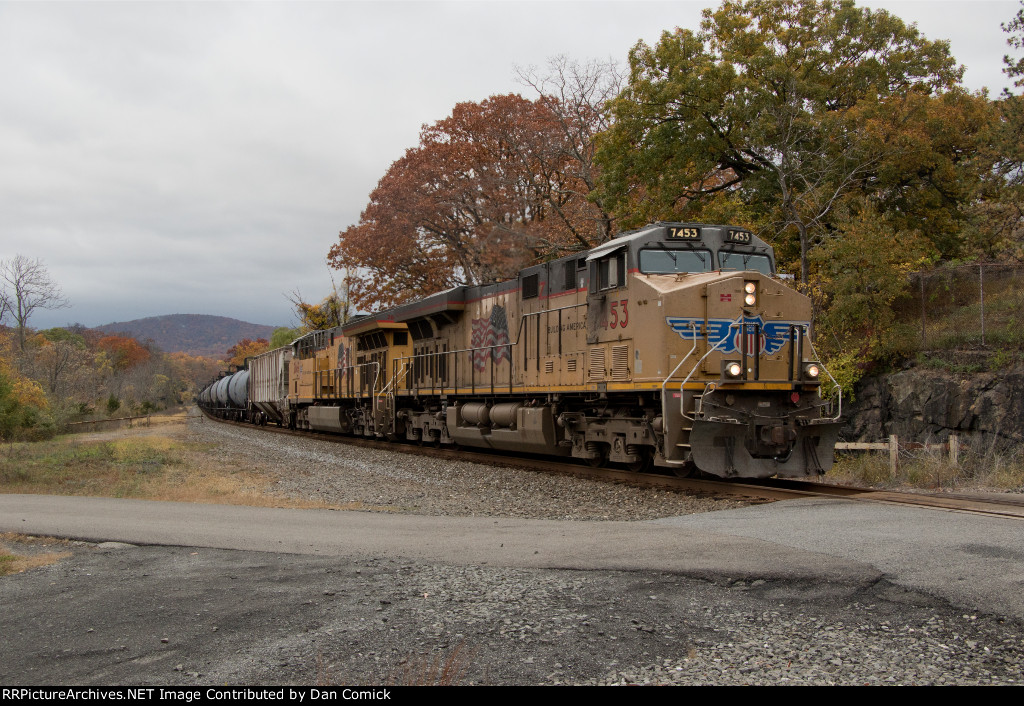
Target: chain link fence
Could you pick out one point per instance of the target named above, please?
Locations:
(965, 306)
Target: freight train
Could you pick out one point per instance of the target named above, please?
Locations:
(674, 346)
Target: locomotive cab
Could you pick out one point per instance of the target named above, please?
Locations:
(742, 397)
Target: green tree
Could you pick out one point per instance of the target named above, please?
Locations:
(783, 108)
(864, 280)
(1002, 212)
(283, 335)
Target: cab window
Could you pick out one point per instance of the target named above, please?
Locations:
(658, 262)
(728, 260)
(611, 271)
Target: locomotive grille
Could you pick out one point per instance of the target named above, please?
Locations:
(596, 370)
(620, 362)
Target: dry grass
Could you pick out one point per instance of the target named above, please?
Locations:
(439, 669)
(15, 563)
(154, 464)
(990, 470)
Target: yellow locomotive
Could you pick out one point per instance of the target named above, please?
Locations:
(673, 345)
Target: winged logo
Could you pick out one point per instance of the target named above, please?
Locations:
(724, 334)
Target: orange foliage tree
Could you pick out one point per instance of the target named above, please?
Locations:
(487, 191)
(246, 348)
(125, 353)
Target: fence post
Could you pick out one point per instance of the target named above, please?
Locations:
(920, 276)
(954, 449)
(981, 287)
(894, 454)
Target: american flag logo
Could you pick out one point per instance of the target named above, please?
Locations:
(492, 331)
(725, 297)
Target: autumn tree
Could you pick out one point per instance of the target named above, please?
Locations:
(22, 403)
(777, 110)
(25, 286)
(246, 348)
(63, 363)
(576, 94)
(333, 310)
(124, 352)
(864, 279)
(486, 191)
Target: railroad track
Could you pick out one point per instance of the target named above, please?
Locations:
(754, 491)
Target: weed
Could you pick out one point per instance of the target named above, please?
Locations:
(870, 469)
(436, 670)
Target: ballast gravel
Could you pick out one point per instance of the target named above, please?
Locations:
(352, 477)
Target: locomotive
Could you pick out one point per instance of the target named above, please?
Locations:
(674, 346)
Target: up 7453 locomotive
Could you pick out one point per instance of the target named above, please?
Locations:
(673, 345)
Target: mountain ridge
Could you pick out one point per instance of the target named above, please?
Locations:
(195, 334)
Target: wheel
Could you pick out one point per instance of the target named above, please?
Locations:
(601, 458)
(643, 462)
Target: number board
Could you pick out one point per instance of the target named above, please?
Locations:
(680, 233)
(739, 236)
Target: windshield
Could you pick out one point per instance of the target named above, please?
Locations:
(653, 262)
(728, 260)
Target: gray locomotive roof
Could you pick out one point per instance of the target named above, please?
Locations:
(712, 237)
(621, 242)
(449, 299)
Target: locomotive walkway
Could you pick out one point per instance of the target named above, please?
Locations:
(974, 562)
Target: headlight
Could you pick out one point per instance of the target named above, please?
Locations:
(812, 371)
(750, 289)
(731, 369)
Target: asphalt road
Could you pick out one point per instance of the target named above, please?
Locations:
(971, 561)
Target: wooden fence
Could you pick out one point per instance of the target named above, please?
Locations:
(952, 447)
(118, 423)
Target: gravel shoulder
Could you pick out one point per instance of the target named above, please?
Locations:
(180, 616)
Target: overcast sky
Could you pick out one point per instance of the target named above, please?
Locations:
(201, 158)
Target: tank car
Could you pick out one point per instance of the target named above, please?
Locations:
(227, 397)
(674, 345)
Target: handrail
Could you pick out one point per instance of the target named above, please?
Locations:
(838, 387)
(373, 388)
(664, 409)
(509, 345)
(682, 398)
